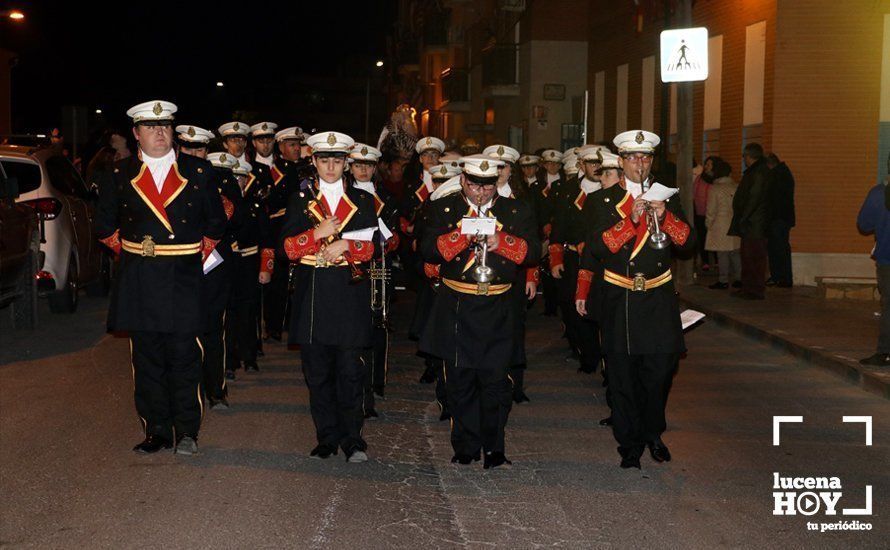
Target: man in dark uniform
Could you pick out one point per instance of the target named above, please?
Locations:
(328, 229)
(193, 140)
(588, 290)
(362, 166)
(252, 266)
(473, 313)
(542, 189)
(525, 287)
(162, 214)
(287, 171)
(570, 228)
(642, 333)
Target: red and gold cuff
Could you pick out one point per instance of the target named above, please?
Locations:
(511, 247)
(532, 275)
(618, 235)
(227, 206)
(361, 251)
(676, 228)
(556, 255)
(300, 245)
(113, 242)
(450, 244)
(585, 278)
(207, 246)
(431, 270)
(267, 260)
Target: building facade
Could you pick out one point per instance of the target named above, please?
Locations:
(808, 79)
(506, 71)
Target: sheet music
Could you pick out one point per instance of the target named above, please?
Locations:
(212, 261)
(659, 192)
(689, 317)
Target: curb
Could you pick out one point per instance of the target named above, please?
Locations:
(849, 370)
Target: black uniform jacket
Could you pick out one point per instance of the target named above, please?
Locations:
(644, 321)
(468, 329)
(218, 282)
(326, 308)
(159, 293)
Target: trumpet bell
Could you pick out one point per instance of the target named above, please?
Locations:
(482, 274)
(659, 240)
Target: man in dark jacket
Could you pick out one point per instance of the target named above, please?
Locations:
(780, 204)
(750, 222)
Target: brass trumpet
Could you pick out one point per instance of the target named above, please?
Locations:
(380, 276)
(482, 273)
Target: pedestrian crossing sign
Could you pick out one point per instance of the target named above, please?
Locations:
(684, 55)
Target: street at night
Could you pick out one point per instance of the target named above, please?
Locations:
(431, 274)
(69, 478)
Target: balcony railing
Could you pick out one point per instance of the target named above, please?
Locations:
(499, 65)
(455, 85)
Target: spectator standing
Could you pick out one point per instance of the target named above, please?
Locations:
(701, 186)
(780, 202)
(874, 217)
(717, 221)
(750, 222)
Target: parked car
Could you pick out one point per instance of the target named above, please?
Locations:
(19, 244)
(70, 257)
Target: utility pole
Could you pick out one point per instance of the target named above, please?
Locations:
(685, 268)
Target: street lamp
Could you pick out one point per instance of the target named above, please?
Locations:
(379, 62)
(98, 111)
(219, 84)
(15, 15)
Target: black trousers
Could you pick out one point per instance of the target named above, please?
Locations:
(550, 291)
(275, 297)
(376, 364)
(638, 386)
(779, 251)
(167, 382)
(441, 392)
(517, 379)
(213, 342)
(479, 401)
(334, 376)
(241, 332)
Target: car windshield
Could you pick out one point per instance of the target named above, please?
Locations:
(64, 177)
(27, 173)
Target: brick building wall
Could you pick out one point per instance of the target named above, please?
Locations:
(821, 92)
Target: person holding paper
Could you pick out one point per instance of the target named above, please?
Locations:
(479, 240)
(640, 315)
(328, 229)
(162, 214)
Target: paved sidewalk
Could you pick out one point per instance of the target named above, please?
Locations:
(833, 334)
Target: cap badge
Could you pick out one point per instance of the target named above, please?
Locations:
(364, 151)
(500, 150)
(599, 156)
(222, 158)
(332, 139)
(236, 127)
(484, 166)
(429, 142)
(265, 126)
(443, 171)
(191, 131)
(157, 109)
(236, 165)
(640, 138)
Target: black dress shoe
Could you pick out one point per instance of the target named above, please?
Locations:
(493, 460)
(186, 444)
(323, 451)
(275, 336)
(445, 415)
(719, 286)
(630, 457)
(251, 366)
(378, 390)
(230, 374)
(659, 451)
(153, 444)
(737, 284)
(371, 413)
(463, 459)
(520, 397)
(607, 421)
(877, 360)
(221, 404)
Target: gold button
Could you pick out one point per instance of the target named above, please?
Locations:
(200, 170)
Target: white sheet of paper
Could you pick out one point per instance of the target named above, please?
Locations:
(212, 261)
(384, 230)
(359, 234)
(472, 225)
(659, 192)
(689, 317)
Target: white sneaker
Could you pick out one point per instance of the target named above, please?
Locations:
(357, 457)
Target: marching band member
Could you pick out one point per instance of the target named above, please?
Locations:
(636, 240)
(332, 323)
(473, 328)
(162, 214)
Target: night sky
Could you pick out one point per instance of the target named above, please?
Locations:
(113, 55)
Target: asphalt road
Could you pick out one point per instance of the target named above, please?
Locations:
(69, 480)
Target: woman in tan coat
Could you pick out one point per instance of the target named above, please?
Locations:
(717, 219)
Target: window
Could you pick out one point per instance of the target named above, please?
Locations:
(27, 174)
(64, 177)
(599, 104)
(621, 99)
(647, 96)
